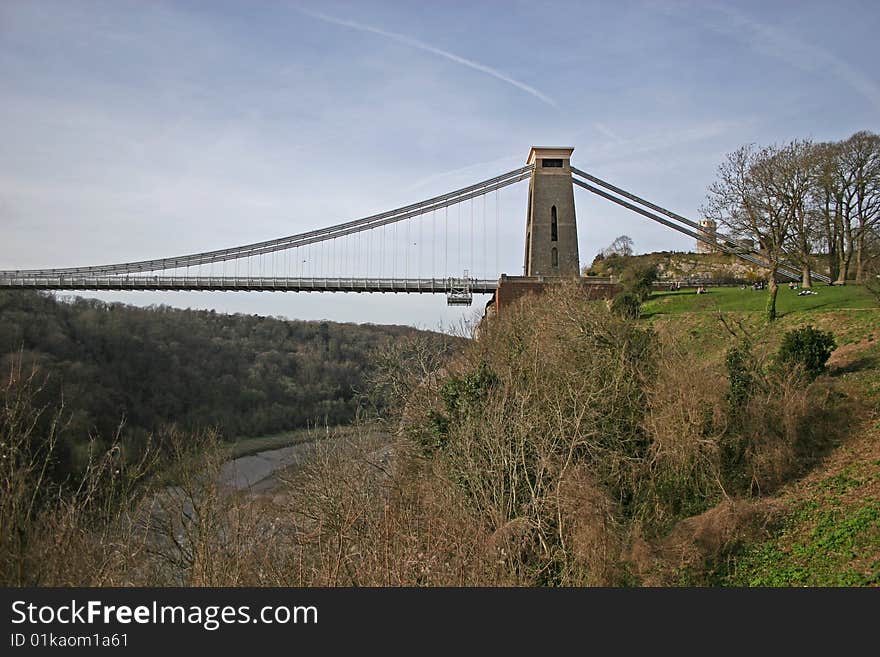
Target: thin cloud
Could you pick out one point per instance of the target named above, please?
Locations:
(667, 142)
(607, 132)
(421, 45)
(780, 44)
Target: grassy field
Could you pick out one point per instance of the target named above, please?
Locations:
(748, 300)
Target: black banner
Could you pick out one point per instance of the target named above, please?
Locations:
(332, 620)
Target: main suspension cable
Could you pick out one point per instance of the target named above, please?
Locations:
(728, 246)
(696, 235)
(292, 241)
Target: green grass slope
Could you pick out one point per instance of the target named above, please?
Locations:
(824, 529)
(748, 300)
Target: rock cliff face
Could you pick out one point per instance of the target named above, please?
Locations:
(713, 267)
(673, 266)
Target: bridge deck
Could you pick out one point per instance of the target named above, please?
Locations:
(252, 284)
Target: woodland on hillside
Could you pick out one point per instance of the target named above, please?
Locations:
(146, 369)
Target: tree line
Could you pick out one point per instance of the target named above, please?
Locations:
(813, 205)
(151, 368)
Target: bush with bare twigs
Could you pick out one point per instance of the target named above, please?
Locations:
(60, 533)
(537, 427)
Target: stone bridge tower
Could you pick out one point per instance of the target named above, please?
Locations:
(551, 225)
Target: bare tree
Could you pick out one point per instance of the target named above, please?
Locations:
(746, 199)
(621, 246)
(828, 203)
(794, 169)
(846, 195)
(860, 168)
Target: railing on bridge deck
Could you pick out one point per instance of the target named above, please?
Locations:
(451, 286)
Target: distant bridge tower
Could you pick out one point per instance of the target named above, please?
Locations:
(709, 229)
(551, 225)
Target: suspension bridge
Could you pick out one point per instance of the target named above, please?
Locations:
(441, 245)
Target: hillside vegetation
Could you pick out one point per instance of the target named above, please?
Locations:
(822, 529)
(569, 445)
(145, 369)
(608, 451)
(572, 446)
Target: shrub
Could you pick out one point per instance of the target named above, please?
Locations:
(463, 396)
(686, 420)
(742, 376)
(61, 533)
(467, 394)
(808, 348)
(540, 430)
(626, 305)
(638, 278)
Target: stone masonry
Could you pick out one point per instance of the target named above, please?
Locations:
(551, 224)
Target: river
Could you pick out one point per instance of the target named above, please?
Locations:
(258, 473)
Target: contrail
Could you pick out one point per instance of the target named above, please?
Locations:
(807, 56)
(420, 45)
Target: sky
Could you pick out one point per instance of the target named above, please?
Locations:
(135, 129)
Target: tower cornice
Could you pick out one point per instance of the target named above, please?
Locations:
(549, 153)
